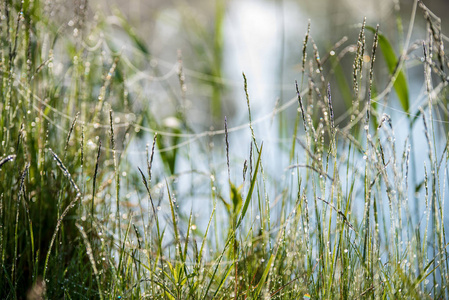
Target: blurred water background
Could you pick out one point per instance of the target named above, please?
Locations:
(215, 41)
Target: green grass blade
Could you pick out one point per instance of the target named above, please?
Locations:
(341, 81)
(400, 82)
(223, 280)
(251, 189)
(200, 254)
(264, 277)
(139, 43)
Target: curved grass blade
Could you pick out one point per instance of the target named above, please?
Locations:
(231, 236)
(66, 210)
(138, 42)
(400, 82)
(4, 160)
(264, 277)
(251, 189)
(223, 280)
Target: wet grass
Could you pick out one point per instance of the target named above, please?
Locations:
(88, 211)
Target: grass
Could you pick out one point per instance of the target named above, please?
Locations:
(357, 212)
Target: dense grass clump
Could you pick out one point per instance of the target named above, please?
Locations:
(108, 190)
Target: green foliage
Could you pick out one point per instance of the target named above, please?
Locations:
(79, 220)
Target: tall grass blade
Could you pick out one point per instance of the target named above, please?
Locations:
(400, 81)
(251, 189)
(67, 209)
(264, 277)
